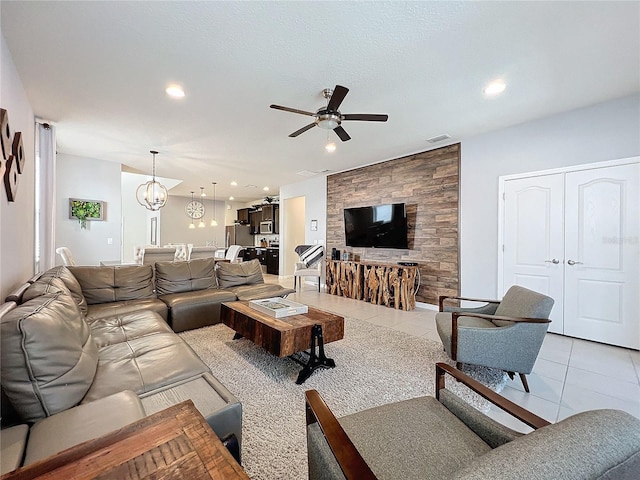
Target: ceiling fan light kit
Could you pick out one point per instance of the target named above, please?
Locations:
(330, 118)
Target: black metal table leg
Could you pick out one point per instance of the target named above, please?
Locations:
(315, 361)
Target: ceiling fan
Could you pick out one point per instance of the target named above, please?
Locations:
(330, 117)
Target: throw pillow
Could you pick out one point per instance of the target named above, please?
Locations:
(312, 255)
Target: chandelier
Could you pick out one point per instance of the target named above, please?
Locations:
(152, 195)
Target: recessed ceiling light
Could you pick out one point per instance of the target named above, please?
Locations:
(175, 91)
(266, 189)
(330, 147)
(495, 87)
(231, 198)
(234, 183)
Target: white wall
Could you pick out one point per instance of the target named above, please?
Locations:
(314, 190)
(17, 248)
(605, 131)
(174, 222)
(91, 179)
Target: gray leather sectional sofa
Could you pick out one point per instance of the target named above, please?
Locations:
(87, 350)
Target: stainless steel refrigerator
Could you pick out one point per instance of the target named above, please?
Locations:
(238, 235)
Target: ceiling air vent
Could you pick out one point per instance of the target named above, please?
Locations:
(438, 138)
(306, 173)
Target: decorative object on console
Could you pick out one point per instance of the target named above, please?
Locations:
(330, 117)
(152, 195)
(85, 210)
(214, 223)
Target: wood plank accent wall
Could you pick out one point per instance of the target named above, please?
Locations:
(428, 183)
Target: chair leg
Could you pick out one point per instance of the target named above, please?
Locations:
(294, 283)
(318, 284)
(511, 374)
(525, 384)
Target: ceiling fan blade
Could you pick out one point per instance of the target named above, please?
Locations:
(303, 129)
(337, 97)
(366, 117)
(342, 133)
(293, 110)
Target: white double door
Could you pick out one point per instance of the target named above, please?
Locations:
(575, 236)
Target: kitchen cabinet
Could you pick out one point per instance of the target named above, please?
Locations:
(273, 261)
(243, 215)
(267, 212)
(255, 217)
(271, 213)
(250, 253)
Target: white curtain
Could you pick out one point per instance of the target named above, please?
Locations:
(45, 200)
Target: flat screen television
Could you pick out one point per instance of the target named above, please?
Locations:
(378, 226)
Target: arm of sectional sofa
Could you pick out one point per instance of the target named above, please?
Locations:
(81, 423)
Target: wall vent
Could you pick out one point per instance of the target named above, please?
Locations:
(306, 173)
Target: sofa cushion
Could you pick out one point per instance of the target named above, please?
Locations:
(12, 447)
(244, 273)
(144, 364)
(48, 356)
(64, 274)
(44, 285)
(104, 310)
(115, 284)
(177, 277)
(125, 327)
(189, 310)
(81, 423)
(261, 290)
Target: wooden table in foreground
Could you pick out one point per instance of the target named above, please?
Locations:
(176, 443)
(288, 335)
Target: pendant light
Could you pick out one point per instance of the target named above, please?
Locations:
(213, 220)
(152, 195)
(192, 226)
(202, 194)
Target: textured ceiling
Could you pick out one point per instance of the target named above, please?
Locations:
(98, 70)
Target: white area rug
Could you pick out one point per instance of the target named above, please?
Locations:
(374, 365)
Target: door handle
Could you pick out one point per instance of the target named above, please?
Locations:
(555, 261)
(572, 262)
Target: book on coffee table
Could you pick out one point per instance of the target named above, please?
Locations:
(278, 307)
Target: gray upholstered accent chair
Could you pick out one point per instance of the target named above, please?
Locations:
(505, 334)
(445, 437)
(154, 255)
(310, 264)
(65, 254)
(202, 252)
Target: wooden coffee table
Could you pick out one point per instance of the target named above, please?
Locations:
(287, 336)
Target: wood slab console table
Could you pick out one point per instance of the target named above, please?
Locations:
(386, 284)
(176, 443)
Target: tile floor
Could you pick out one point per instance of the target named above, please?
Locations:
(570, 375)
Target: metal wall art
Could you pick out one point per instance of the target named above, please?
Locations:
(13, 158)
